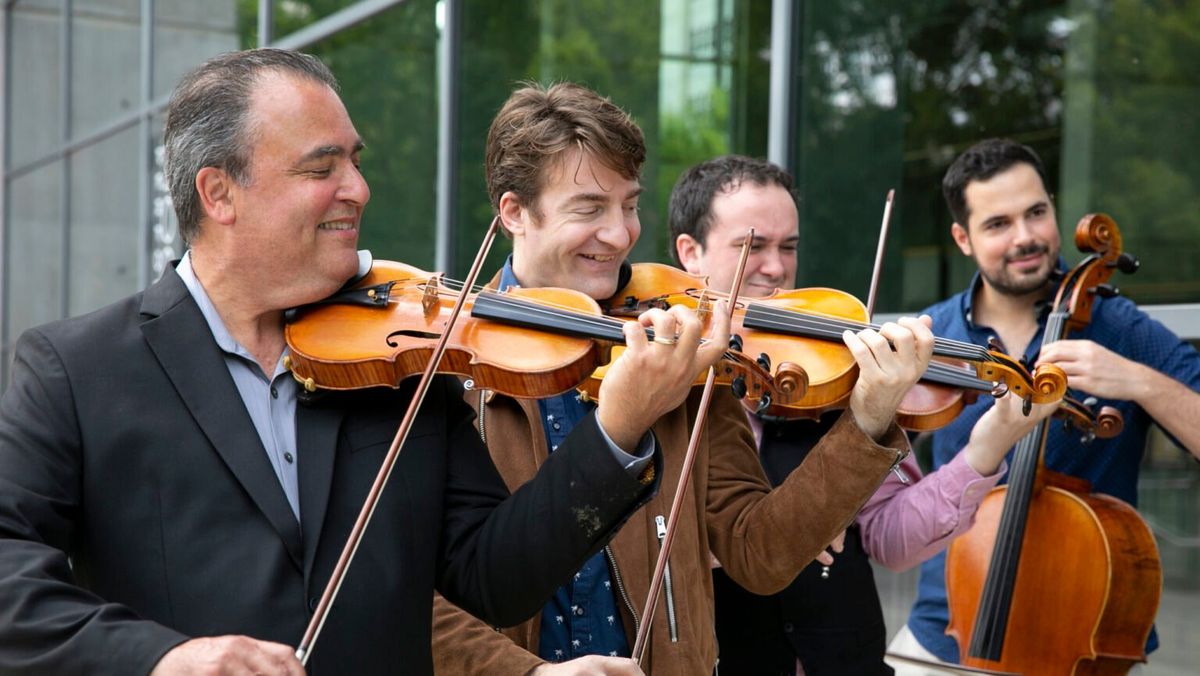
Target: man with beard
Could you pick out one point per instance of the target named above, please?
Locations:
(1004, 219)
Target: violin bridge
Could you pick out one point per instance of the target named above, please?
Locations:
(703, 307)
(429, 301)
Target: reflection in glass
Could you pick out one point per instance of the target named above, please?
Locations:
(35, 89)
(33, 265)
(104, 247)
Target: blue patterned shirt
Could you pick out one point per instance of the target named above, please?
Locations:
(1111, 465)
(582, 618)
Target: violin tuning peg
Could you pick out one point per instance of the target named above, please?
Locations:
(764, 360)
(1027, 408)
(763, 404)
(738, 385)
(1127, 263)
(999, 389)
(735, 342)
(1091, 402)
(1105, 290)
(994, 344)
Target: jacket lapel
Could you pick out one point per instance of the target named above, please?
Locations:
(182, 342)
(316, 447)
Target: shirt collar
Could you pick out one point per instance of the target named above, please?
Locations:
(508, 278)
(220, 333)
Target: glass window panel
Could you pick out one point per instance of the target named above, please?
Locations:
(387, 70)
(686, 71)
(33, 254)
(104, 244)
(105, 64)
(117, 9)
(891, 92)
(186, 33)
(55, 5)
(292, 15)
(35, 77)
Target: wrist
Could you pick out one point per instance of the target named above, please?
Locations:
(622, 435)
(870, 425)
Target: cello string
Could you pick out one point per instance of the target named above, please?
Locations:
(997, 592)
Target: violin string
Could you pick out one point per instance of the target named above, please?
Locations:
(546, 308)
(832, 330)
(551, 310)
(803, 319)
(806, 319)
(541, 306)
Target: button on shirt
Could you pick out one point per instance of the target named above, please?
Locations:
(582, 618)
(271, 402)
(1111, 465)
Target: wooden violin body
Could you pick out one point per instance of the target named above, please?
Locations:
(529, 343)
(797, 335)
(341, 346)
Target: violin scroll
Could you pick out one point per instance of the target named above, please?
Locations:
(1050, 381)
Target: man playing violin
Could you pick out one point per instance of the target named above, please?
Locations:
(828, 620)
(169, 506)
(563, 167)
(1004, 219)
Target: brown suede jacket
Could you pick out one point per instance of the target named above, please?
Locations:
(762, 537)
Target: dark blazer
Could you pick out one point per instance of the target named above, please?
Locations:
(138, 507)
(834, 625)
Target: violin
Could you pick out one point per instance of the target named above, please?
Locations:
(949, 387)
(527, 343)
(799, 334)
(1084, 603)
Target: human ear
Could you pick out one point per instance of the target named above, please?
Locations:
(514, 216)
(690, 252)
(961, 238)
(215, 188)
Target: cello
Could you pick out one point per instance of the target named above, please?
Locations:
(1024, 598)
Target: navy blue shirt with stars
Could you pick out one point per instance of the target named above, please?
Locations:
(1111, 465)
(582, 617)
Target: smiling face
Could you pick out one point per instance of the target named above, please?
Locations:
(771, 211)
(297, 220)
(1012, 233)
(584, 226)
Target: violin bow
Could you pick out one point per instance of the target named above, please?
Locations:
(304, 650)
(883, 233)
(689, 459)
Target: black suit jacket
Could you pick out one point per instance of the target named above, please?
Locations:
(138, 507)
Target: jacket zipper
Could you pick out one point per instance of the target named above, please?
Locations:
(482, 434)
(661, 524)
(616, 576)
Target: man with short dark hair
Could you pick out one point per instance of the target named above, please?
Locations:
(563, 169)
(1004, 219)
(169, 506)
(828, 620)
